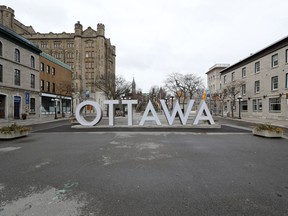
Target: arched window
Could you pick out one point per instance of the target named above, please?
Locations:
(1, 49)
(32, 62)
(17, 55)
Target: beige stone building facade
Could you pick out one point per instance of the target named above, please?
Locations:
(88, 52)
(264, 92)
(19, 76)
(213, 77)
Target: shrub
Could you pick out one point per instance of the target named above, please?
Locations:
(269, 127)
(13, 128)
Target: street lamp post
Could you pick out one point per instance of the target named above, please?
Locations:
(123, 98)
(172, 102)
(55, 107)
(239, 100)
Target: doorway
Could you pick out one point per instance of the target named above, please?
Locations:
(2, 106)
(17, 103)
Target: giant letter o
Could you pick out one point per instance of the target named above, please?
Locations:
(80, 117)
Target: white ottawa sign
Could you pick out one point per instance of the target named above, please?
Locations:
(202, 114)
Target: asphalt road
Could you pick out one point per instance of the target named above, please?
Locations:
(61, 171)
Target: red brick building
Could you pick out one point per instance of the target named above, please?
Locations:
(55, 85)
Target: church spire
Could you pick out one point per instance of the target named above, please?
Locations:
(133, 87)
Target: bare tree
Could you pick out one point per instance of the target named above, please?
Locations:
(65, 89)
(113, 86)
(175, 83)
(220, 97)
(184, 86)
(232, 89)
(194, 84)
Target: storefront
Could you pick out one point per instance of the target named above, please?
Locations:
(51, 103)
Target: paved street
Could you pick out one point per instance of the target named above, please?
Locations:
(60, 171)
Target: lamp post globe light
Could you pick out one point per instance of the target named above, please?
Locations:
(239, 100)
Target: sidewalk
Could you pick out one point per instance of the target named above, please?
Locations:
(279, 123)
(31, 121)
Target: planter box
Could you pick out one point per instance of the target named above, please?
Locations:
(14, 135)
(266, 133)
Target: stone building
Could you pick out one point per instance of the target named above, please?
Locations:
(55, 86)
(213, 84)
(213, 77)
(19, 76)
(264, 80)
(88, 52)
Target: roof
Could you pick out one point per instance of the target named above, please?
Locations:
(56, 61)
(218, 66)
(5, 30)
(263, 52)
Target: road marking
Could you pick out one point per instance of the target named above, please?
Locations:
(7, 149)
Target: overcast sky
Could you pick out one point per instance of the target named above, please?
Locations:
(157, 37)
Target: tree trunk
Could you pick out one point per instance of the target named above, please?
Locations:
(232, 110)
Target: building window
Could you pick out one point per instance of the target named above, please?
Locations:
(32, 62)
(48, 86)
(42, 85)
(244, 72)
(44, 44)
(17, 77)
(225, 79)
(244, 89)
(48, 69)
(274, 83)
(57, 55)
(254, 105)
(275, 60)
(286, 56)
(17, 55)
(257, 67)
(70, 55)
(32, 105)
(286, 80)
(86, 54)
(57, 44)
(244, 105)
(53, 71)
(70, 45)
(1, 49)
(274, 104)
(1, 73)
(259, 105)
(233, 76)
(92, 54)
(42, 66)
(70, 64)
(32, 81)
(257, 86)
(53, 87)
